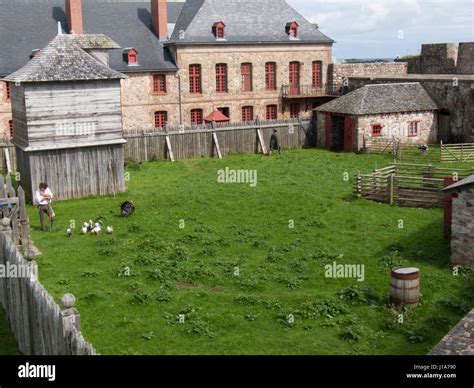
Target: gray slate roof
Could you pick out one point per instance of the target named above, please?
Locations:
(63, 60)
(461, 184)
(30, 24)
(95, 41)
(247, 21)
(382, 98)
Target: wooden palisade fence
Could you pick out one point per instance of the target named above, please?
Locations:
(38, 324)
(213, 140)
(410, 185)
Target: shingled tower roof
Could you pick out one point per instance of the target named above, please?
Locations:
(63, 59)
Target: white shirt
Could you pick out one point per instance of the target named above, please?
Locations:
(45, 201)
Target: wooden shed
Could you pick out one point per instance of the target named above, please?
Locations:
(67, 118)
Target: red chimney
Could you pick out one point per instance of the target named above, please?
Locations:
(159, 18)
(74, 16)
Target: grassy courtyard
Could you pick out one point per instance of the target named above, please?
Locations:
(209, 268)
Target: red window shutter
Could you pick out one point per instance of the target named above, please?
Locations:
(295, 110)
(132, 57)
(10, 128)
(221, 78)
(271, 112)
(247, 84)
(195, 86)
(159, 84)
(196, 116)
(294, 78)
(413, 127)
(317, 74)
(270, 76)
(247, 113)
(161, 119)
(7, 91)
(328, 131)
(376, 130)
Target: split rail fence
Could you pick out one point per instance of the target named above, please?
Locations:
(407, 185)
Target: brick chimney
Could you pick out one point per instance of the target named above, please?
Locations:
(159, 18)
(74, 16)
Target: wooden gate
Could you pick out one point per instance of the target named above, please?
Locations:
(457, 152)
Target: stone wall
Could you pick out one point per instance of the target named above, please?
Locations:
(139, 104)
(393, 125)
(234, 56)
(455, 94)
(338, 72)
(459, 341)
(462, 241)
(465, 61)
(439, 58)
(396, 125)
(5, 111)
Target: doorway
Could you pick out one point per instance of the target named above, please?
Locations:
(337, 133)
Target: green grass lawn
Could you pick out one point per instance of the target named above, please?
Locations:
(190, 270)
(8, 345)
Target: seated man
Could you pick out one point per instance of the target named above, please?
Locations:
(42, 200)
(274, 143)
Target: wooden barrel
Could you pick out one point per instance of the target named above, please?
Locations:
(405, 287)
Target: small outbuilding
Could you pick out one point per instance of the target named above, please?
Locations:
(403, 111)
(462, 224)
(67, 116)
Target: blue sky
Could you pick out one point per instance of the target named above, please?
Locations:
(387, 28)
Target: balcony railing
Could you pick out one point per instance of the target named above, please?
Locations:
(301, 91)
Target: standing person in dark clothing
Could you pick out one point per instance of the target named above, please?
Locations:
(274, 143)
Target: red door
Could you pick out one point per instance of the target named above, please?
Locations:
(349, 127)
(294, 78)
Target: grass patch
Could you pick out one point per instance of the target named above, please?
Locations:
(238, 262)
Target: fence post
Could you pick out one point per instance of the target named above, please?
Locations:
(69, 315)
(391, 183)
(448, 208)
(359, 186)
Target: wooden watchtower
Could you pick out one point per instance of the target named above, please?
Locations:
(67, 119)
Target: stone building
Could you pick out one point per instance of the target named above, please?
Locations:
(67, 119)
(185, 59)
(453, 92)
(403, 111)
(462, 225)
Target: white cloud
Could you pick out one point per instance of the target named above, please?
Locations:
(376, 24)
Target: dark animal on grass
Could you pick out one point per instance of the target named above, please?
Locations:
(423, 148)
(127, 209)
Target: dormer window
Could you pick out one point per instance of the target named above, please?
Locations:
(130, 55)
(292, 30)
(218, 29)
